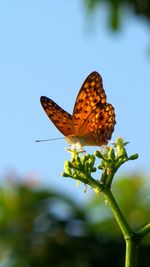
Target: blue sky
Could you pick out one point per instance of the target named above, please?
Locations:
(48, 48)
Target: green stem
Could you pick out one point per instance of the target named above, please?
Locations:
(110, 178)
(131, 239)
(132, 245)
(145, 230)
(126, 230)
(95, 184)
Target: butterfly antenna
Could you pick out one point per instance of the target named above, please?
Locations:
(52, 139)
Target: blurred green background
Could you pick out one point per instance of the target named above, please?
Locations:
(40, 227)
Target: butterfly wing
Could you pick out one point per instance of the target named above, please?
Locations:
(93, 118)
(60, 118)
(99, 126)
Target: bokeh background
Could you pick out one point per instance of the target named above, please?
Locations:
(49, 48)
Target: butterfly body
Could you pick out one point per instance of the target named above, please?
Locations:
(93, 119)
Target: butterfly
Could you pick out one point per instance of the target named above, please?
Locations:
(93, 119)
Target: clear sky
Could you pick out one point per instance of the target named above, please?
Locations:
(48, 48)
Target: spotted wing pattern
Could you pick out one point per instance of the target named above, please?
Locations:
(93, 119)
(61, 119)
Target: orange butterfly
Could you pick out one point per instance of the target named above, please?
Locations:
(93, 119)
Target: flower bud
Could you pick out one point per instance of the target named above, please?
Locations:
(98, 154)
(134, 156)
(111, 154)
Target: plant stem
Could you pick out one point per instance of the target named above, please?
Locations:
(131, 252)
(145, 230)
(126, 230)
(131, 239)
